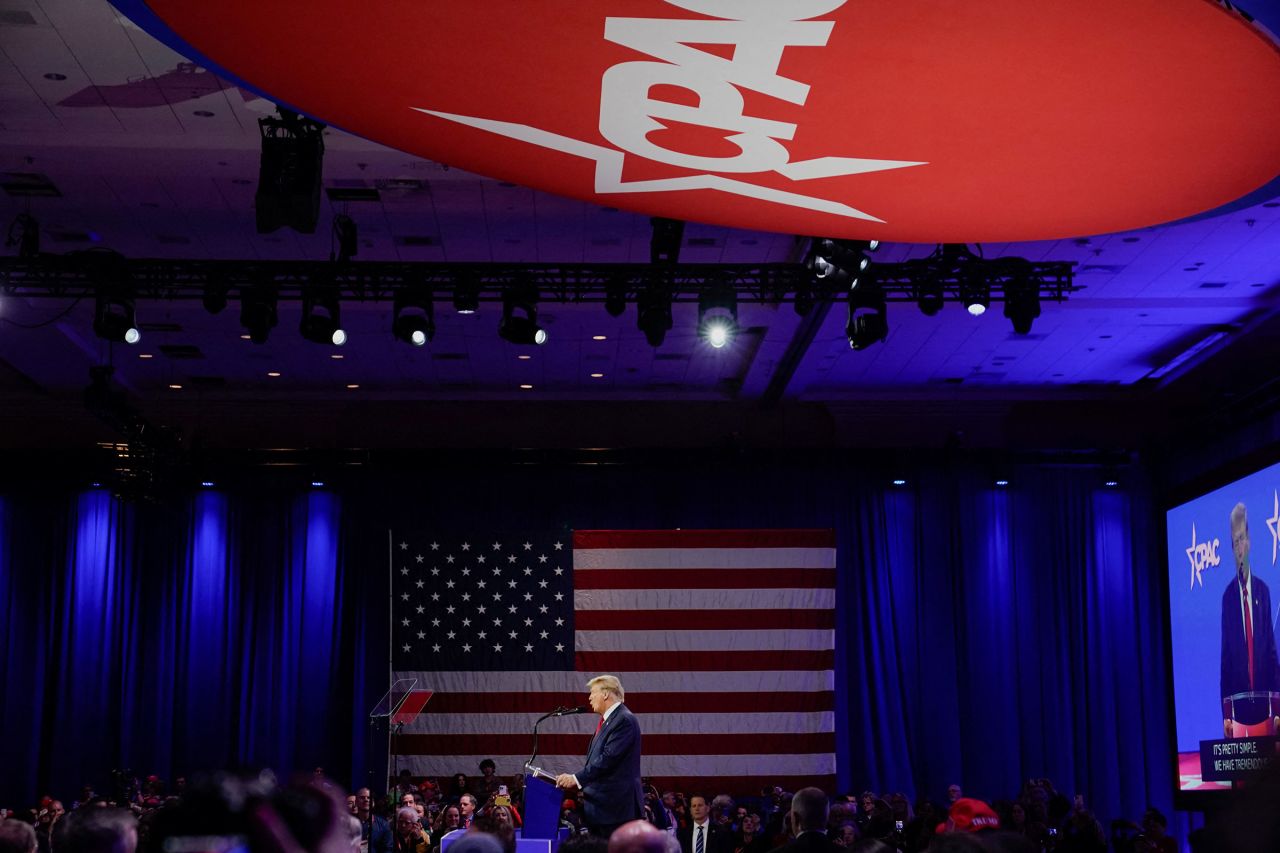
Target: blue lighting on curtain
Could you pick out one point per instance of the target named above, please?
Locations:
(985, 634)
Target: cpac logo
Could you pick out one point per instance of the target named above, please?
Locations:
(759, 32)
(1202, 555)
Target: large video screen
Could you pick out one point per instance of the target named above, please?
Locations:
(1224, 583)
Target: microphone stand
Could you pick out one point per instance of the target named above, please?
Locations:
(559, 710)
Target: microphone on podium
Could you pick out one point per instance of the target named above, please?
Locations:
(565, 712)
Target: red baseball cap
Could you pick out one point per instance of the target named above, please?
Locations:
(969, 815)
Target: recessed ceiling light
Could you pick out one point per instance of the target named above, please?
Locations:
(175, 387)
(203, 113)
(526, 387)
(352, 387)
(273, 373)
(145, 355)
(245, 338)
(597, 376)
(524, 357)
(599, 338)
(54, 75)
(337, 356)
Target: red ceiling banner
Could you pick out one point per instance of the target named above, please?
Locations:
(931, 121)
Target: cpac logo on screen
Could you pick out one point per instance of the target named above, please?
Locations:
(759, 32)
(1202, 555)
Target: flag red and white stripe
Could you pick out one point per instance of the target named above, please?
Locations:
(724, 641)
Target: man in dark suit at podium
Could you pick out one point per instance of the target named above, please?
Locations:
(1248, 638)
(610, 780)
(808, 824)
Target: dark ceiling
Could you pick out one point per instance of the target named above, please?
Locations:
(155, 158)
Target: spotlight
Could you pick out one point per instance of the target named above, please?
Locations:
(466, 294)
(615, 296)
(1022, 303)
(414, 318)
(930, 297)
(258, 313)
(718, 315)
(868, 321)
(347, 237)
(975, 291)
(653, 313)
(522, 327)
(322, 315)
(289, 173)
(839, 261)
(664, 246)
(24, 233)
(114, 318)
(804, 300)
(215, 293)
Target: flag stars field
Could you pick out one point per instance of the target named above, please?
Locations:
(724, 641)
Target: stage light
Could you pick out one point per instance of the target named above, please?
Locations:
(114, 318)
(215, 293)
(615, 296)
(289, 173)
(899, 482)
(322, 315)
(413, 319)
(837, 263)
(868, 321)
(1022, 303)
(258, 314)
(975, 291)
(519, 323)
(803, 301)
(24, 233)
(718, 315)
(664, 246)
(930, 297)
(466, 294)
(346, 237)
(1002, 483)
(653, 313)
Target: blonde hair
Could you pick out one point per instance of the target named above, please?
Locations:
(1239, 517)
(609, 684)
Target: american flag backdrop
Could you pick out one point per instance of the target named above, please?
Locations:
(723, 639)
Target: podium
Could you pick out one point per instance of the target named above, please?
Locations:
(541, 832)
(1253, 713)
(541, 805)
(400, 706)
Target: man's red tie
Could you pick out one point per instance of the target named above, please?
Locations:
(1248, 632)
(600, 724)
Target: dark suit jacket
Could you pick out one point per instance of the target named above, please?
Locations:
(809, 842)
(610, 781)
(718, 840)
(1235, 655)
(380, 837)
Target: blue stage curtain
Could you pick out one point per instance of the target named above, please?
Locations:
(995, 634)
(168, 641)
(986, 635)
